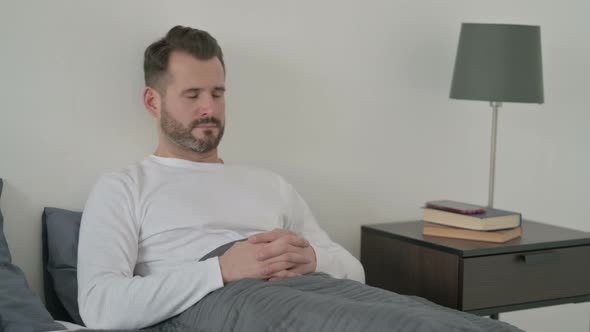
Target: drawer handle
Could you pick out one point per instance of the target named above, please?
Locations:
(539, 257)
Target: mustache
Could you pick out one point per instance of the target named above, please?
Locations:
(212, 120)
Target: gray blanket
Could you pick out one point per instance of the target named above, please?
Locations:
(317, 302)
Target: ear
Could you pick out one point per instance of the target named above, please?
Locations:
(152, 101)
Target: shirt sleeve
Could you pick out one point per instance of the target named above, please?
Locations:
(109, 295)
(331, 258)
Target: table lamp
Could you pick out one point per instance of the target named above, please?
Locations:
(498, 63)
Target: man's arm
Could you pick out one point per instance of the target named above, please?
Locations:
(331, 258)
(109, 295)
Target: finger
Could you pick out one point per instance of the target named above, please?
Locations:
(269, 236)
(298, 269)
(270, 269)
(278, 248)
(293, 257)
(272, 249)
(286, 274)
(283, 275)
(297, 241)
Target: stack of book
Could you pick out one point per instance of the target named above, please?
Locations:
(472, 222)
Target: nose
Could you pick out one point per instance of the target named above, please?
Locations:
(205, 104)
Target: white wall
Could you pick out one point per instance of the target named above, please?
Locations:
(347, 99)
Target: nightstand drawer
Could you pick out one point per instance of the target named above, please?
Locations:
(499, 280)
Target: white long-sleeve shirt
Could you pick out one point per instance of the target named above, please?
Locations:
(145, 228)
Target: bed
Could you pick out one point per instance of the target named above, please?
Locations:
(315, 302)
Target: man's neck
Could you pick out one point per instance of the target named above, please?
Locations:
(177, 152)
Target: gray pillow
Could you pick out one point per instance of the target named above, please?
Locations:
(60, 262)
(20, 309)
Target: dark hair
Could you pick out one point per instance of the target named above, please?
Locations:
(195, 42)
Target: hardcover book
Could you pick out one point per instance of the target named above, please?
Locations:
(500, 236)
(490, 219)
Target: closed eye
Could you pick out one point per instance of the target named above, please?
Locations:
(194, 93)
(217, 94)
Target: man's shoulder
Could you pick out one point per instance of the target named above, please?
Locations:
(125, 176)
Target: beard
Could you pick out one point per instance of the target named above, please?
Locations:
(183, 136)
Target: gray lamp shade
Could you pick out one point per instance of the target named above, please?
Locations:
(498, 62)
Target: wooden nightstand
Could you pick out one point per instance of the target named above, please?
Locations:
(548, 265)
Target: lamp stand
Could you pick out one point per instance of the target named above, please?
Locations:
(495, 105)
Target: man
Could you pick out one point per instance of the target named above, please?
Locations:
(162, 241)
(145, 228)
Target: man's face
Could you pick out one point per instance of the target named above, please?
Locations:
(192, 113)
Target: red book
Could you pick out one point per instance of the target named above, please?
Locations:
(456, 207)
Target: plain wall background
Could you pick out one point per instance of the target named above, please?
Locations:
(347, 99)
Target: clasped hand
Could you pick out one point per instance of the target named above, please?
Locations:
(272, 256)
